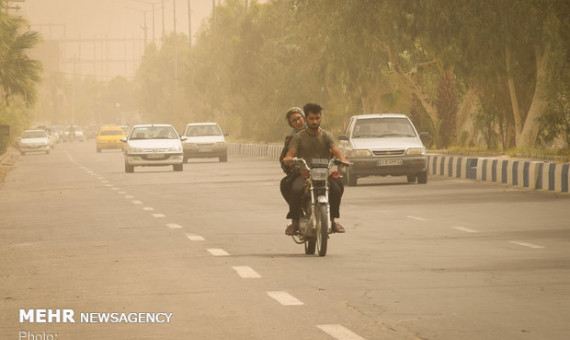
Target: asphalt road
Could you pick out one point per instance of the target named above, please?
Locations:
(452, 259)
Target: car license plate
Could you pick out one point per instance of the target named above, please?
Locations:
(155, 156)
(390, 162)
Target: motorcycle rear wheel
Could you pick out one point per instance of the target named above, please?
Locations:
(322, 229)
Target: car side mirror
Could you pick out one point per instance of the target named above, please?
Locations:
(426, 138)
(226, 134)
(183, 138)
(123, 139)
(345, 138)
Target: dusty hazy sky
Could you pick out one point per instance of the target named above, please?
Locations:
(111, 18)
(111, 31)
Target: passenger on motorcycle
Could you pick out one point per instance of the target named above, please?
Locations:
(296, 119)
(313, 142)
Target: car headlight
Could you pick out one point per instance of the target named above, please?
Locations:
(361, 153)
(174, 149)
(416, 151)
(136, 150)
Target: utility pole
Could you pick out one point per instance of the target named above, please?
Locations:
(189, 27)
(175, 46)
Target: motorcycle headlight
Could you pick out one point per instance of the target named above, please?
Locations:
(416, 151)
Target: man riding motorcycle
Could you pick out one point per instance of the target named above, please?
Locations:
(311, 143)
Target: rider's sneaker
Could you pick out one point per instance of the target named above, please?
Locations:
(337, 228)
(292, 229)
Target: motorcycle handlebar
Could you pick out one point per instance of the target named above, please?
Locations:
(333, 161)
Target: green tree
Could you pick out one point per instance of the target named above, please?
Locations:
(19, 74)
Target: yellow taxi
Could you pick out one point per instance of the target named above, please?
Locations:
(109, 137)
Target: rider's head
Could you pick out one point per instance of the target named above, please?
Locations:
(314, 108)
(313, 116)
(293, 115)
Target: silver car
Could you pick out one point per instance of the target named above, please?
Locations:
(383, 145)
(34, 141)
(205, 140)
(153, 145)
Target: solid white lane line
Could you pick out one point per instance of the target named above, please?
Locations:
(158, 215)
(246, 272)
(174, 226)
(339, 332)
(194, 237)
(524, 244)
(137, 202)
(467, 230)
(148, 208)
(416, 218)
(218, 252)
(285, 298)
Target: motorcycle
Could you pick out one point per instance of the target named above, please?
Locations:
(315, 224)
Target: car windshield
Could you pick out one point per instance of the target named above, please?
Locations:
(34, 134)
(111, 133)
(383, 127)
(203, 130)
(153, 132)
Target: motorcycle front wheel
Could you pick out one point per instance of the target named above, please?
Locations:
(322, 229)
(310, 245)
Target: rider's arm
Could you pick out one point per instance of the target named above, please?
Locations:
(338, 154)
(290, 154)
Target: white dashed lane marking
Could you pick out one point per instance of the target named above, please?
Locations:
(194, 237)
(218, 252)
(129, 196)
(158, 215)
(174, 226)
(524, 244)
(416, 218)
(246, 272)
(285, 298)
(137, 202)
(148, 208)
(339, 332)
(467, 230)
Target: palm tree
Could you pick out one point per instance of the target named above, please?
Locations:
(18, 73)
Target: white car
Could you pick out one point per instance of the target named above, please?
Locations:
(153, 145)
(205, 140)
(34, 141)
(383, 145)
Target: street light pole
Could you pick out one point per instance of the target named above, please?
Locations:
(175, 45)
(189, 27)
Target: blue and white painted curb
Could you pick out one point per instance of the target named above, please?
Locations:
(537, 175)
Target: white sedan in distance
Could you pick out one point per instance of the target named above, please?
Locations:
(153, 145)
(34, 141)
